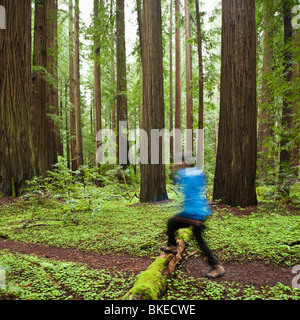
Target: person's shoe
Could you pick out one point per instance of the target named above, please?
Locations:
(169, 249)
(216, 272)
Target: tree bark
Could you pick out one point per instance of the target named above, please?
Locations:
(286, 121)
(200, 150)
(17, 152)
(97, 74)
(265, 131)
(178, 126)
(171, 119)
(43, 126)
(52, 68)
(79, 151)
(153, 180)
(200, 68)
(121, 84)
(189, 97)
(72, 87)
(113, 73)
(236, 157)
(295, 158)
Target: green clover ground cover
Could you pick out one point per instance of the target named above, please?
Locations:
(32, 278)
(108, 219)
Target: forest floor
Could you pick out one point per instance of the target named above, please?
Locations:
(256, 273)
(253, 272)
(255, 246)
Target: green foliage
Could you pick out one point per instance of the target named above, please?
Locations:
(182, 287)
(33, 278)
(261, 235)
(109, 220)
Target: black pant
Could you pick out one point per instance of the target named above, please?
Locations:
(174, 225)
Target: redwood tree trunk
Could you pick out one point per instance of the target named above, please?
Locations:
(153, 180)
(72, 87)
(52, 68)
(189, 97)
(178, 140)
(121, 81)
(97, 74)
(286, 121)
(265, 131)
(236, 157)
(43, 127)
(17, 153)
(200, 66)
(79, 151)
(171, 86)
(200, 151)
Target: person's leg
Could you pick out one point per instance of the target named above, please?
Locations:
(217, 269)
(212, 260)
(173, 226)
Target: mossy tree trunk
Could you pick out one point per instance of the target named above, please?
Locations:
(152, 283)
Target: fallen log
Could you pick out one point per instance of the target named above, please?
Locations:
(152, 283)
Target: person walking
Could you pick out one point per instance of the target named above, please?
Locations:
(195, 212)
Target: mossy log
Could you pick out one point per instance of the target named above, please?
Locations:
(151, 283)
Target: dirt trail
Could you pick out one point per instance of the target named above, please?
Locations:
(255, 273)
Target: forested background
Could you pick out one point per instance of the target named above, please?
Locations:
(63, 79)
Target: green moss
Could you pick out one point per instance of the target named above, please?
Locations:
(151, 283)
(185, 234)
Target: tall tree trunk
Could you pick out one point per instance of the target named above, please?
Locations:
(265, 131)
(178, 137)
(171, 85)
(67, 129)
(140, 24)
(113, 72)
(236, 158)
(52, 68)
(286, 122)
(153, 180)
(43, 127)
(295, 156)
(97, 73)
(200, 68)
(72, 87)
(121, 85)
(79, 151)
(200, 151)
(17, 152)
(189, 97)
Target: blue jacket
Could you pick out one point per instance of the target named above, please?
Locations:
(192, 181)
